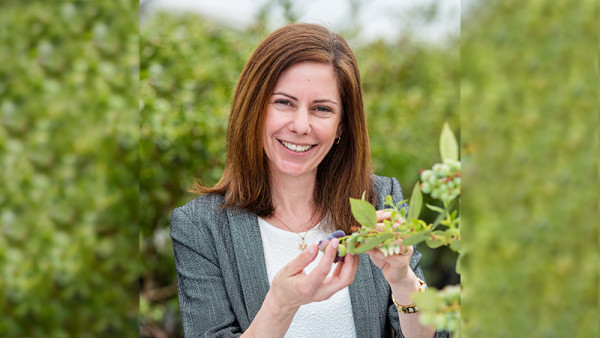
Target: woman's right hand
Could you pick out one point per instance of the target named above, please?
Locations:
(292, 287)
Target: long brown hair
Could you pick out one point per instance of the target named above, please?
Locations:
(344, 172)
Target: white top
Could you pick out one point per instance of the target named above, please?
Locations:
(329, 318)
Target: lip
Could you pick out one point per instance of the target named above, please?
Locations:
(312, 146)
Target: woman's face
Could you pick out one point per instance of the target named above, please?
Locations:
(302, 119)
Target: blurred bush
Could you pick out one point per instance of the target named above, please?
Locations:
(68, 167)
(189, 67)
(529, 113)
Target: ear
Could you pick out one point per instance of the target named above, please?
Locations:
(339, 131)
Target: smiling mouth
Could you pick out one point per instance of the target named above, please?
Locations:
(296, 147)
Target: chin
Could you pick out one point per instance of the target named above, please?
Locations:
(292, 172)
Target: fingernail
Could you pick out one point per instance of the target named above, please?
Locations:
(311, 249)
(323, 244)
(335, 242)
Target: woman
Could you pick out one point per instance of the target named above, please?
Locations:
(297, 150)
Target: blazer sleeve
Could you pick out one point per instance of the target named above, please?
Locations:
(203, 302)
(396, 193)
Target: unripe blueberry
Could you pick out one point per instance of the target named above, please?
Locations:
(437, 169)
(432, 180)
(341, 250)
(445, 196)
(457, 166)
(425, 187)
(445, 170)
(454, 165)
(426, 175)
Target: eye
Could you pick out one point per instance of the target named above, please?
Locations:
(324, 109)
(283, 102)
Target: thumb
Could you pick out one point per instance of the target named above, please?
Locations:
(298, 264)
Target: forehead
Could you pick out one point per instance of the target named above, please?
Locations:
(309, 77)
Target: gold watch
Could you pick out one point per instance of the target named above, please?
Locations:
(412, 308)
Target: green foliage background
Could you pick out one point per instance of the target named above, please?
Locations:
(89, 175)
(188, 69)
(529, 117)
(68, 169)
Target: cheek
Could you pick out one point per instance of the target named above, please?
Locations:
(329, 131)
(267, 127)
(273, 123)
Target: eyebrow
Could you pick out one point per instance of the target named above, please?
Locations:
(315, 101)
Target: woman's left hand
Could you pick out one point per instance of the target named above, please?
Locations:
(396, 268)
(403, 282)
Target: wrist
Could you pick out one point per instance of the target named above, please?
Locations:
(403, 290)
(409, 307)
(275, 309)
(272, 320)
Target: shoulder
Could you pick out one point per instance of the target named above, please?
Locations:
(202, 204)
(201, 210)
(385, 186)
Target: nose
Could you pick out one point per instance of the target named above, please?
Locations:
(300, 123)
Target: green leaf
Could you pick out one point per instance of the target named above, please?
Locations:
(448, 144)
(374, 242)
(458, 267)
(428, 300)
(351, 244)
(435, 208)
(363, 212)
(388, 225)
(416, 238)
(434, 244)
(416, 203)
(400, 203)
(455, 245)
(389, 201)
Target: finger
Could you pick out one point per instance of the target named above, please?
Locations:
(406, 250)
(377, 257)
(348, 271)
(298, 264)
(321, 271)
(338, 269)
(342, 277)
(376, 254)
(383, 214)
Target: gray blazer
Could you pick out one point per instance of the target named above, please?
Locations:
(222, 278)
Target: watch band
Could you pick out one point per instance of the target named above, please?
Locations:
(412, 308)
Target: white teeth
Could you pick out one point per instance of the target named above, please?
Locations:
(295, 147)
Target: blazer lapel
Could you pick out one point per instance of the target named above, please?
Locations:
(363, 297)
(249, 256)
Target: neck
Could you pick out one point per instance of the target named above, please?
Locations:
(293, 200)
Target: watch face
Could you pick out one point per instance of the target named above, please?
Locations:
(423, 286)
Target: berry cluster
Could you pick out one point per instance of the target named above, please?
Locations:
(442, 181)
(441, 308)
(341, 249)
